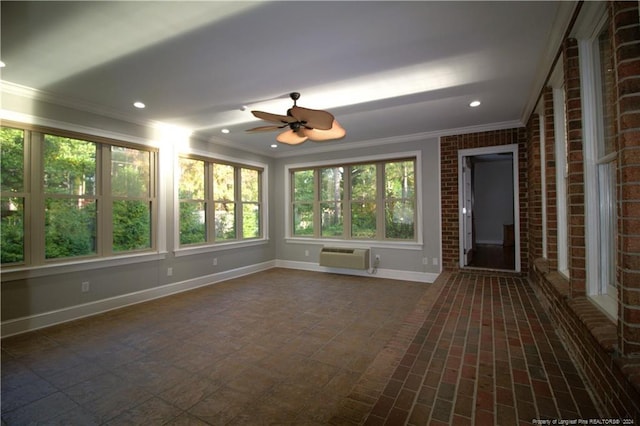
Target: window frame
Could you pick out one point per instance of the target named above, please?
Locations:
(561, 167)
(599, 267)
(346, 240)
(210, 243)
(35, 262)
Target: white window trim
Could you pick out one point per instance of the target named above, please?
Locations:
(10, 273)
(209, 247)
(417, 243)
(588, 79)
(560, 132)
(560, 149)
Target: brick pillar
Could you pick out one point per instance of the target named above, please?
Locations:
(626, 31)
(534, 192)
(550, 172)
(575, 187)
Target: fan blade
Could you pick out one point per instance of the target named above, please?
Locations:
(314, 118)
(290, 138)
(336, 132)
(264, 129)
(267, 116)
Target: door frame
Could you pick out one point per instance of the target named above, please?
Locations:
(472, 152)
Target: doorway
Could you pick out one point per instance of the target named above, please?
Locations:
(488, 194)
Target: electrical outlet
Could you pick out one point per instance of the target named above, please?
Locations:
(306, 253)
(378, 258)
(425, 260)
(169, 272)
(215, 261)
(85, 286)
(434, 261)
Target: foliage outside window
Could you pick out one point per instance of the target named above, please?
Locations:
(379, 201)
(58, 184)
(13, 195)
(219, 202)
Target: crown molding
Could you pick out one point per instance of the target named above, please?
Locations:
(7, 87)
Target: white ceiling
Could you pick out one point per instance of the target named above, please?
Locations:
(388, 70)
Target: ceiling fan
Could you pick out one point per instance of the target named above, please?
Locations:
(302, 124)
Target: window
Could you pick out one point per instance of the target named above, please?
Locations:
(67, 197)
(361, 201)
(562, 173)
(219, 201)
(600, 154)
(12, 185)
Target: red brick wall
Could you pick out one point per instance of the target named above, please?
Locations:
(606, 351)
(575, 185)
(550, 171)
(534, 193)
(626, 34)
(449, 146)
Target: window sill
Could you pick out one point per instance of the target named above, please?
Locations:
(607, 305)
(188, 251)
(24, 272)
(413, 245)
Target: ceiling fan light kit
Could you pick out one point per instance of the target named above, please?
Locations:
(302, 123)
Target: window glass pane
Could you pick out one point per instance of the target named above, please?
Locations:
(11, 159)
(223, 182)
(131, 225)
(303, 185)
(130, 171)
(363, 220)
(250, 220)
(331, 184)
(399, 179)
(399, 222)
(607, 93)
(303, 220)
(192, 223)
(249, 189)
(12, 230)
(225, 221)
(69, 166)
(363, 182)
(331, 219)
(191, 185)
(70, 227)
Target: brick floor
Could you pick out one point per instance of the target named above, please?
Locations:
(482, 352)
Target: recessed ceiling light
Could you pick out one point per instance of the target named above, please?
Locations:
(225, 131)
(273, 145)
(474, 104)
(139, 104)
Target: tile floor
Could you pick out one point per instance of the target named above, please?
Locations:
(302, 348)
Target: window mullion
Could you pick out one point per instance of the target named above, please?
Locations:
(104, 199)
(209, 208)
(348, 198)
(380, 201)
(238, 203)
(34, 210)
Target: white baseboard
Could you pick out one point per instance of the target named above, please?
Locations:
(47, 319)
(423, 277)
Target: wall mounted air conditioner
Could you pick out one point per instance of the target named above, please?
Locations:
(348, 258)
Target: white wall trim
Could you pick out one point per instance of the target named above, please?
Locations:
(423, 277)
(513, 149)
